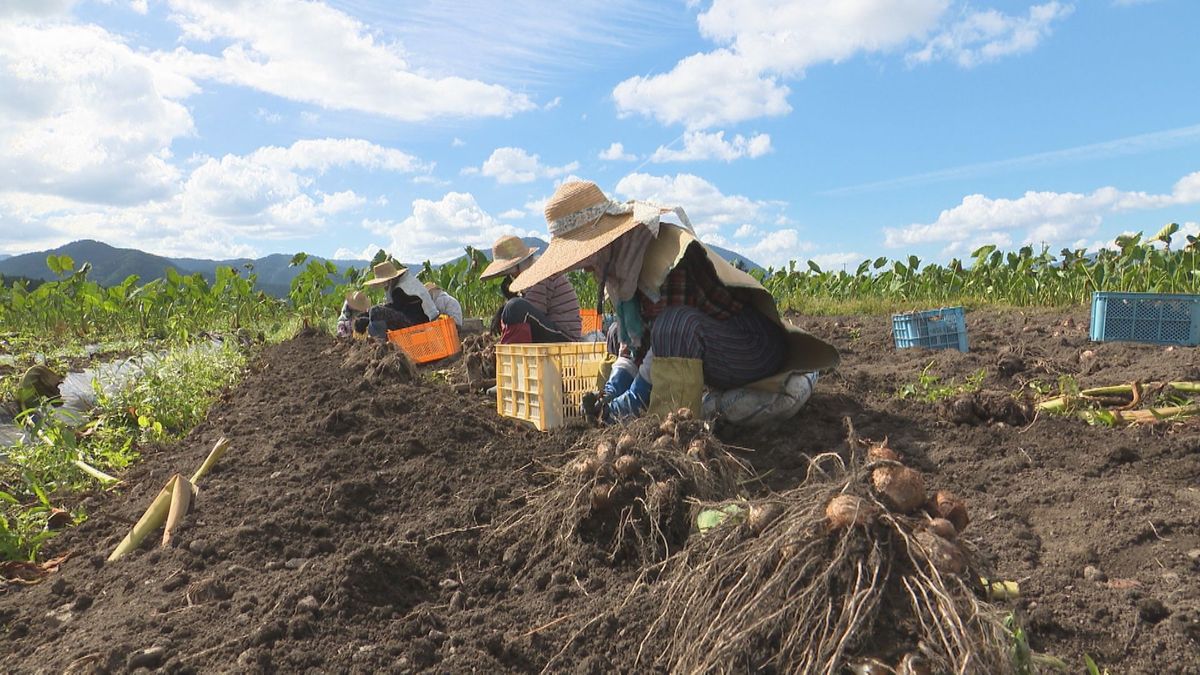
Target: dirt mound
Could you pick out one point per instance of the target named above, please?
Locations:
(378, 361)
(348, 497)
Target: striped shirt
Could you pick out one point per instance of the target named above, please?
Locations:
(557, 299)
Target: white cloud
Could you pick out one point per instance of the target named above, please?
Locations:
(515, 165)
(987, 35)
(139, 6)
(746, 231)
(366, 253)
(616, 153)
(708, 208)
(268, 116)
(438, 230)
(554, 103)
(687, 95)
(271, 191)
(701, 145)
(1053, 217)
(713, 213)
(27, 9)
(313, 53)
(762, 43)
(457, 142)
(776, 249)
(85, 117)
(833, 262)
(513, 214)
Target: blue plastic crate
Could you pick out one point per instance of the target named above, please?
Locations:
(944, 328)
(1157, 318)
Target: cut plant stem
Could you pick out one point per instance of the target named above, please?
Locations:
(150, 521)
(181, 501)
(93, 471)
(213, 456)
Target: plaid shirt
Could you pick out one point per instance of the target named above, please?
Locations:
(694, 283)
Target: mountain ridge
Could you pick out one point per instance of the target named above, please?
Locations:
(111, 265)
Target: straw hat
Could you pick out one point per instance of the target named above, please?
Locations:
(507, 253)
(582, 221)
(358, 301)
(432, 288)
(385, 272)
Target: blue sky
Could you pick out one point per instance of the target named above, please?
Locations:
(832, 131)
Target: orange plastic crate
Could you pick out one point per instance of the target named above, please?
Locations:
(427, 342)
(592, 321)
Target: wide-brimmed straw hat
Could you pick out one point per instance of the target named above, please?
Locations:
(385, 272)
(358, 301)
(507, 253)
(581, 221)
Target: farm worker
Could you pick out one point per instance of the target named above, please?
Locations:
(546, 311)
(446, 303)
(354, 317)
(408, 303)
(686, 318)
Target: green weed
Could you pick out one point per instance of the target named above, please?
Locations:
(930, 388)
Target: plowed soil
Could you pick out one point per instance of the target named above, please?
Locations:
(350, 527)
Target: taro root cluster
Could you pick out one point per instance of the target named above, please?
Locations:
(623, 495)
(858, 568)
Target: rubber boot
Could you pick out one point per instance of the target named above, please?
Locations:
(630, 404)
(678, 383)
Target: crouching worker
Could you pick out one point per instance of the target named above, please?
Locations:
(546, 311)
(407, 302)
(354, 317)
(447, 305)
(687, 320)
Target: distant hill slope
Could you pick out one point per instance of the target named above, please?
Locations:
(111, 265)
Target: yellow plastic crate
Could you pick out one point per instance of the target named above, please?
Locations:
(544, 384)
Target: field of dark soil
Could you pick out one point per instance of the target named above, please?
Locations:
(367, 519)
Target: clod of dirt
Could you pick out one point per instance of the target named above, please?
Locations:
(1094, 574)
(379, 361)
(1010, 364)
(988, 407)
(1152, 610)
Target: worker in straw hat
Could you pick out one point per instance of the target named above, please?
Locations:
(547, 311)
(686, 318)
(446, 304)
(407, 302)
(354, 316)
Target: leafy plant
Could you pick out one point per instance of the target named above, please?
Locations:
(930, 388)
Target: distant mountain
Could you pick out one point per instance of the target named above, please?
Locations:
(111, 265)
(5, 255)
